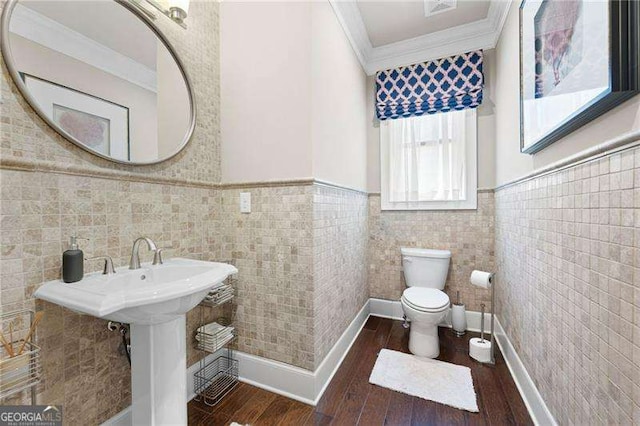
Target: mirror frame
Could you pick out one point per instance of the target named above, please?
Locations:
(15, 75)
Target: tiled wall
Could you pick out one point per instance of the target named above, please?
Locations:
(82, 369)
(339, 263)
(272, 247)
(567, 247)
(301, 254)
(468, 234)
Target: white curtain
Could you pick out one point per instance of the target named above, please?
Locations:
(426, 157)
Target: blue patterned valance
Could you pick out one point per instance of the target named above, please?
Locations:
(436, 86)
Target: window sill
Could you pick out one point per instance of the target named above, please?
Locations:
(470, 204)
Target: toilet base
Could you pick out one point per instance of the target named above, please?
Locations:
(424, 340)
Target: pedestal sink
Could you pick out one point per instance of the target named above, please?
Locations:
(154, 301)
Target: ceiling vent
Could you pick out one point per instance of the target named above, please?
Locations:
(434, 7)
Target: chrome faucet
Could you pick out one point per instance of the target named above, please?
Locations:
(135, 256)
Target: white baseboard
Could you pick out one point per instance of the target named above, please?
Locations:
(296, 383)
(123, 418)
(386, 308)
(393, 309)
(308, 386)
(284, 379)
(536, 406)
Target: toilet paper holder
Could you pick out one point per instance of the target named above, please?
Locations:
(487, 280)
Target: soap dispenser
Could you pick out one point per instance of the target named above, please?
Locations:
(73, 262)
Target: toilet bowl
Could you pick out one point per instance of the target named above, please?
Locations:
(425, 308)
(424, 303)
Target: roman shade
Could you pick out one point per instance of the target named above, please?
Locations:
(446, 84)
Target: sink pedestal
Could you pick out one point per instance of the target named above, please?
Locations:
(158, 373)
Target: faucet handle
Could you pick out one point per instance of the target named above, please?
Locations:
(157, 255)
(108, 264)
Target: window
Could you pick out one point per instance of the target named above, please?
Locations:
(429, 162)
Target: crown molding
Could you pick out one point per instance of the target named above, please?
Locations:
(44, 31)
(482, 34)
(351, 21)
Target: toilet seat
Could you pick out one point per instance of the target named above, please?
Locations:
(426, 299)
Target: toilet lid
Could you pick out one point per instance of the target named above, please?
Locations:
(427, 299)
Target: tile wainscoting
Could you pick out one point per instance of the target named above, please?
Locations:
(339, 263)
(468, 234)
(567, 252)
(273, 250)
(39, 211)
(301, 254)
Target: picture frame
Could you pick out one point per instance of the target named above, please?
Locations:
(574, 65)
(99, 125)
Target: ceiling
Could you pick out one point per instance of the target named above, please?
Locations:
(388, 34)
(393, 21)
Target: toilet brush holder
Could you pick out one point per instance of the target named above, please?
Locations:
(459, 319)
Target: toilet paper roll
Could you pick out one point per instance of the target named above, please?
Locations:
(481, 279)
(480, 350)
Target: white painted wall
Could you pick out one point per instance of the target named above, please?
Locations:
(293, 95)
(338, 103)
(373, 139)
(265, 90)
(486, 131)
(510, 163)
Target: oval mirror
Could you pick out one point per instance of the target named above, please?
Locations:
(101, 75)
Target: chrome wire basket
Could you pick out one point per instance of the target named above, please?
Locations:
(216, 379)
(214, 341)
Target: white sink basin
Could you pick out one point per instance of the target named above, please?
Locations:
(154, 300)
(149, 295)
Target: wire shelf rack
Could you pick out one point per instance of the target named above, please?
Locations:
(213, 342)
(22, 371)
(219, 296)
(216, 378)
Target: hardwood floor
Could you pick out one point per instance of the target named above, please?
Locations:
(351, 400)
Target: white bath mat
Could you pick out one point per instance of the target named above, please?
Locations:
(425, 378)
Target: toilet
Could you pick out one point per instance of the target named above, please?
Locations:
(423, 301)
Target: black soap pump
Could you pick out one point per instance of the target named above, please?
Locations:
(73, 262)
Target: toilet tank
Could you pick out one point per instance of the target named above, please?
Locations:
(425, 267)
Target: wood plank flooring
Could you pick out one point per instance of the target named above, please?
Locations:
(351, 400)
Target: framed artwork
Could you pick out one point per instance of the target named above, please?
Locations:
(578, 60)
(100, 125)
(92, 130)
